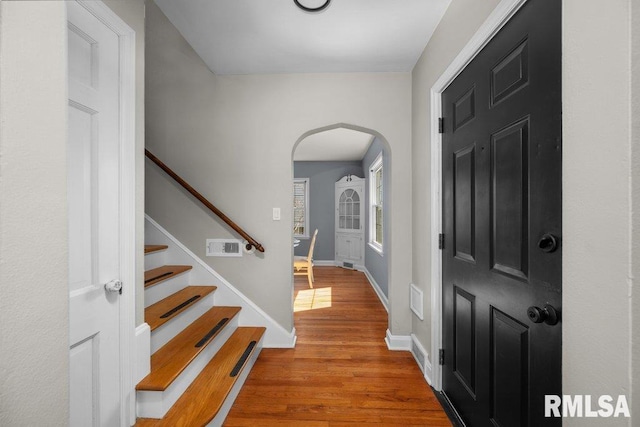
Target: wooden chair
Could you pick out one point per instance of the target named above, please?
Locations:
(303, 266)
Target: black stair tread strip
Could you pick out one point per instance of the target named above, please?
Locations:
(212, 332)
(168, 273)
(180, 306)
(236, 369)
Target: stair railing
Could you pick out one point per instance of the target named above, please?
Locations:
(250, 240)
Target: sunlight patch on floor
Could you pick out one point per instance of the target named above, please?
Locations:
(312, 299)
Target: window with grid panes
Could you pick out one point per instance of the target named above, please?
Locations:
(301, 207)
(375, 199)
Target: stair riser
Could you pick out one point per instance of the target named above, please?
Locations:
(155, 404)
(155, 259)
(155, 293)
(231, 397)
(163, 334)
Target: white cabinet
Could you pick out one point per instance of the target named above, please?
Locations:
(349, 234)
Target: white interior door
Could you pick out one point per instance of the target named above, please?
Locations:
(349, 239)
(93, 197)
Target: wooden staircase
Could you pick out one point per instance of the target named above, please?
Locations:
(200, 356)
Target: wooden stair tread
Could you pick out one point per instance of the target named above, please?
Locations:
(169, 361)
(203, 399)
(154, 248)
(175, 304)
(160, 274)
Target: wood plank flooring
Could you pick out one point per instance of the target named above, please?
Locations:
(341, 372)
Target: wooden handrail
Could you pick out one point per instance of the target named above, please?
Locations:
(251, 241)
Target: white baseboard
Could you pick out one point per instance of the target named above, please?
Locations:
(226, 294)
(422, 357)
(383, 298)
(142, 351)
(398, 342)
(324, 263)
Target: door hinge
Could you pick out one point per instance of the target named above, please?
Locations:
(441, 357)
(440, 124)
(441, 241)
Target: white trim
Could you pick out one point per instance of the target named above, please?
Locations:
(376, 165)
(127, 232)
(398, 342)
(416, 298)
(498, 18)
(383, 298)
(324, 263)
(275, 336)
(142, 361)
(424, 355)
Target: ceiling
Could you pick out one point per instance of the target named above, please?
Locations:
(275, 36)
(338, 144)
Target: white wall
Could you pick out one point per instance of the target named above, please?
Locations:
(34, 344)
(635, 201)
(599, 343)
(597, 184)
(231, 137)
(458, 25)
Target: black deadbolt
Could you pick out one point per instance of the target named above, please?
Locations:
(548, 315)
(548, 243)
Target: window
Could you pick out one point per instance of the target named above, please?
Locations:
(375, 202)
(301, 207)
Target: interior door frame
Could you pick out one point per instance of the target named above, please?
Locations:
(127, 213)
(503, 12)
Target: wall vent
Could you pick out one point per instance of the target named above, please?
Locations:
(416, 301)
(224, 247)
(348, 265)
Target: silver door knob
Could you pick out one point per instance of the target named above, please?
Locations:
(113, 286)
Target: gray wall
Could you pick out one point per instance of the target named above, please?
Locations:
(377, 263)
(322, 178)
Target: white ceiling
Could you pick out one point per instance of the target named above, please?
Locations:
(275, 36)
(338, 144)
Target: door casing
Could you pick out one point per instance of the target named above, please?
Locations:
(503, 12)
(127, 212)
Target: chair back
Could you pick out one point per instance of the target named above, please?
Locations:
(311, 246)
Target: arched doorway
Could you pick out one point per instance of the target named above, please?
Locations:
(323, 157)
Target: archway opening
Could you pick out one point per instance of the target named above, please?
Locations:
(341, 188)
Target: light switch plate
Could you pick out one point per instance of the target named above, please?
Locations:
(276, 214)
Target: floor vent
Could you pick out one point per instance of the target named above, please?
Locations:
(348, 265)
(417, 353)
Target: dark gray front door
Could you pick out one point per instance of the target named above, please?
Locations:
(502, 187)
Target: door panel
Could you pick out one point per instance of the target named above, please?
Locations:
(93, 159)
(509, 189)
(464, 204)
(501, 192)
(509, 365)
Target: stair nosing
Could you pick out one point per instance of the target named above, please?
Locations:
(164, 385)
(204, 290)
(255, 333)
(154, 248)
(182, 268)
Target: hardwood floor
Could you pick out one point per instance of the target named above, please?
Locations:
(341, 372)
